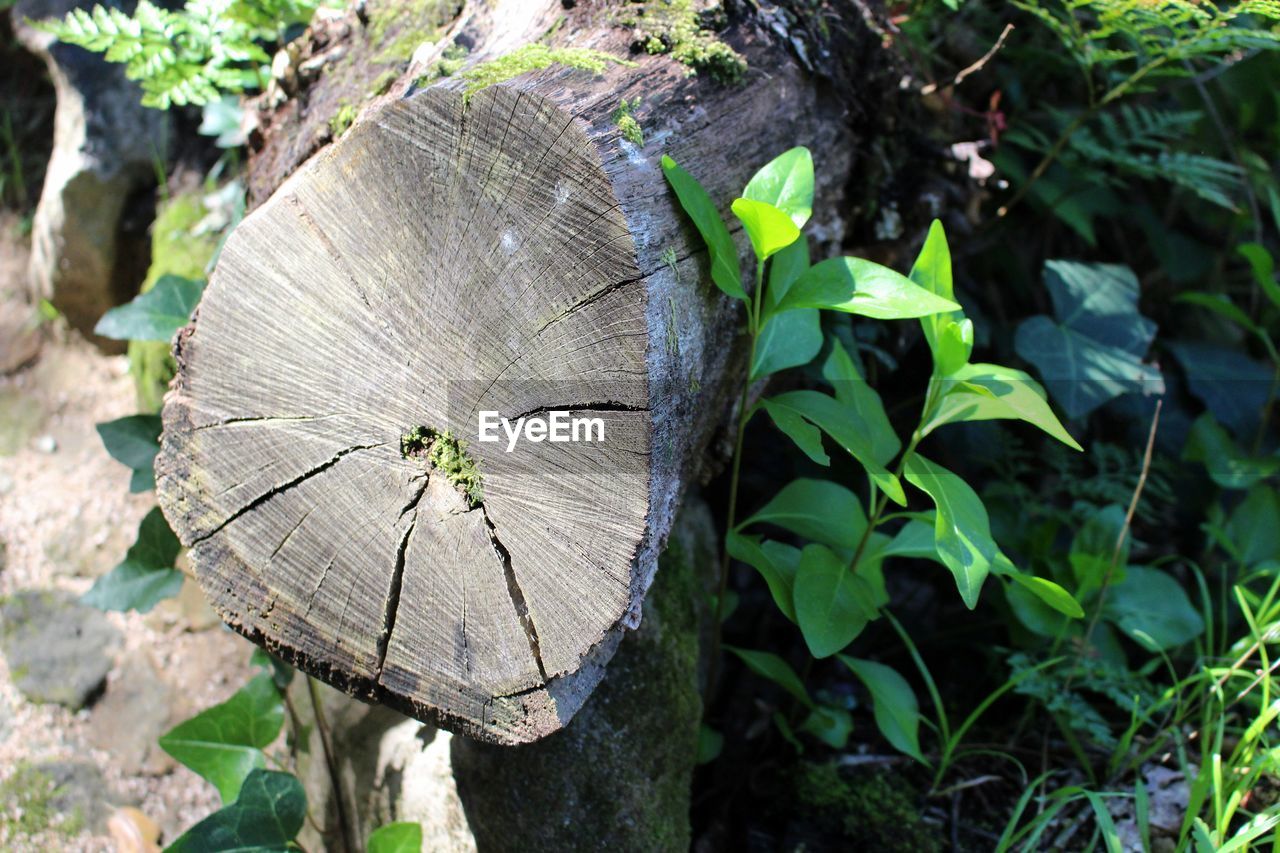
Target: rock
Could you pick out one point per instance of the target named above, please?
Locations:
(65, 797)
(88, 241)
(19, 335)
(58, 650)
(131, 716)
(20, 417)
(6, 718)
(618, 777)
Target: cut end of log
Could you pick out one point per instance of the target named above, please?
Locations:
(321, 453)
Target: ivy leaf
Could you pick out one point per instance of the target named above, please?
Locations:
(1263, 267)
(1153, 609)
(146, 576)
(962, 530)
(858, 286)
(983, 392)
(776, 562)
(793, 337)
(401, 837)
(698, 205)
(864, 438)
(1254, 526)
(786, 182)
(134, 441)
(833, 604)
(770, 666)
(1232, 385)
(1092, 350)
(266, 816)
(769, 228)
(818, 510)
(224, 743)
(156, 315)
(896, 710)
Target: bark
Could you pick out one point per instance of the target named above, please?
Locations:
(510, 251)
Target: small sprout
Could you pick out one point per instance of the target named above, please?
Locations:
(342, 120)
(624, 118)
(447, 454)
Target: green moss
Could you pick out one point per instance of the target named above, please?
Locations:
(448, 455)
(382, 83)
(534, 57)
(27, 806)
(868, 808)
(678, 28)
(451, 60)
(175, 250)
(624, 118)
(396, 30)
(343, 119)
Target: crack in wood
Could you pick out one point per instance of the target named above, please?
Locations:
(397, 578)
(516, 594)
(275, 490)
(599, 406)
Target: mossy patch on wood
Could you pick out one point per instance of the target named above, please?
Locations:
(343, 119)
(625, 119)
(678, 28)
(447, 454)
(396, 30)
(535, 57)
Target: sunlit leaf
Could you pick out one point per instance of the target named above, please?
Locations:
(858, 286)
(818, 510)
(981, 392)
(769, 228)
(791, 338)
(400, 837)
(698, 205)
(833, 604)
(1152, 609)
(786, 182)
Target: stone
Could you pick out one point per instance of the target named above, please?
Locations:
(88, 236)
(65, 797)
(58, 650)
(131, 715)
(19, 335)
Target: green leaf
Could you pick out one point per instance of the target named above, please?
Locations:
(962, 530)
(863, 438)
(281, 673)
(776, 562)
(853, 391)
(134, 441)
(1263, 267)
(786, 182)
(791, 338)
(915, 539)
(1093, 550)
(1230, 383)
(146, 576)
(983, 392)
(833, 604)
(1209, 443)
(401, 837)
(1093, 350)
(896, 710)
(698, 205)
(1152, 608)
(818, 510)
(830, 725)
(858, 286)
(156, 315)
(770, 666)
(949, 335)
(769, 228)
(1254, 526)
(224, 743)
(710, 743)
(1049, 592)
(266, 816)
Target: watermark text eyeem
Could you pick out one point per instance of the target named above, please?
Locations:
(558, 427)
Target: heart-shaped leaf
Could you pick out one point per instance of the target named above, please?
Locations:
(156, 315)
(146, 576)
(266, 816)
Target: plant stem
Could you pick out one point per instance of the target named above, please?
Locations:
(744, 415)
(339, 798)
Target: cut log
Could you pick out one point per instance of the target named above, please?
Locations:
(507, 251)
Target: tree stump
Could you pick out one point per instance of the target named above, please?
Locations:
(511, 251)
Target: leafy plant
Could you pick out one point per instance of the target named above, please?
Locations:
(147, 575)
(188, 56)
(833, 586)
(155, 315)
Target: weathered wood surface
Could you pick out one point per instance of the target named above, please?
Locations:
(512, 253)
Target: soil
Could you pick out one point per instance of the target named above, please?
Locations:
(66, 517)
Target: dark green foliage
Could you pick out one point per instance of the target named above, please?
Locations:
(147, 575)
(266, 816)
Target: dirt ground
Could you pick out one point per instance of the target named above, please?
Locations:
(66, 517)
